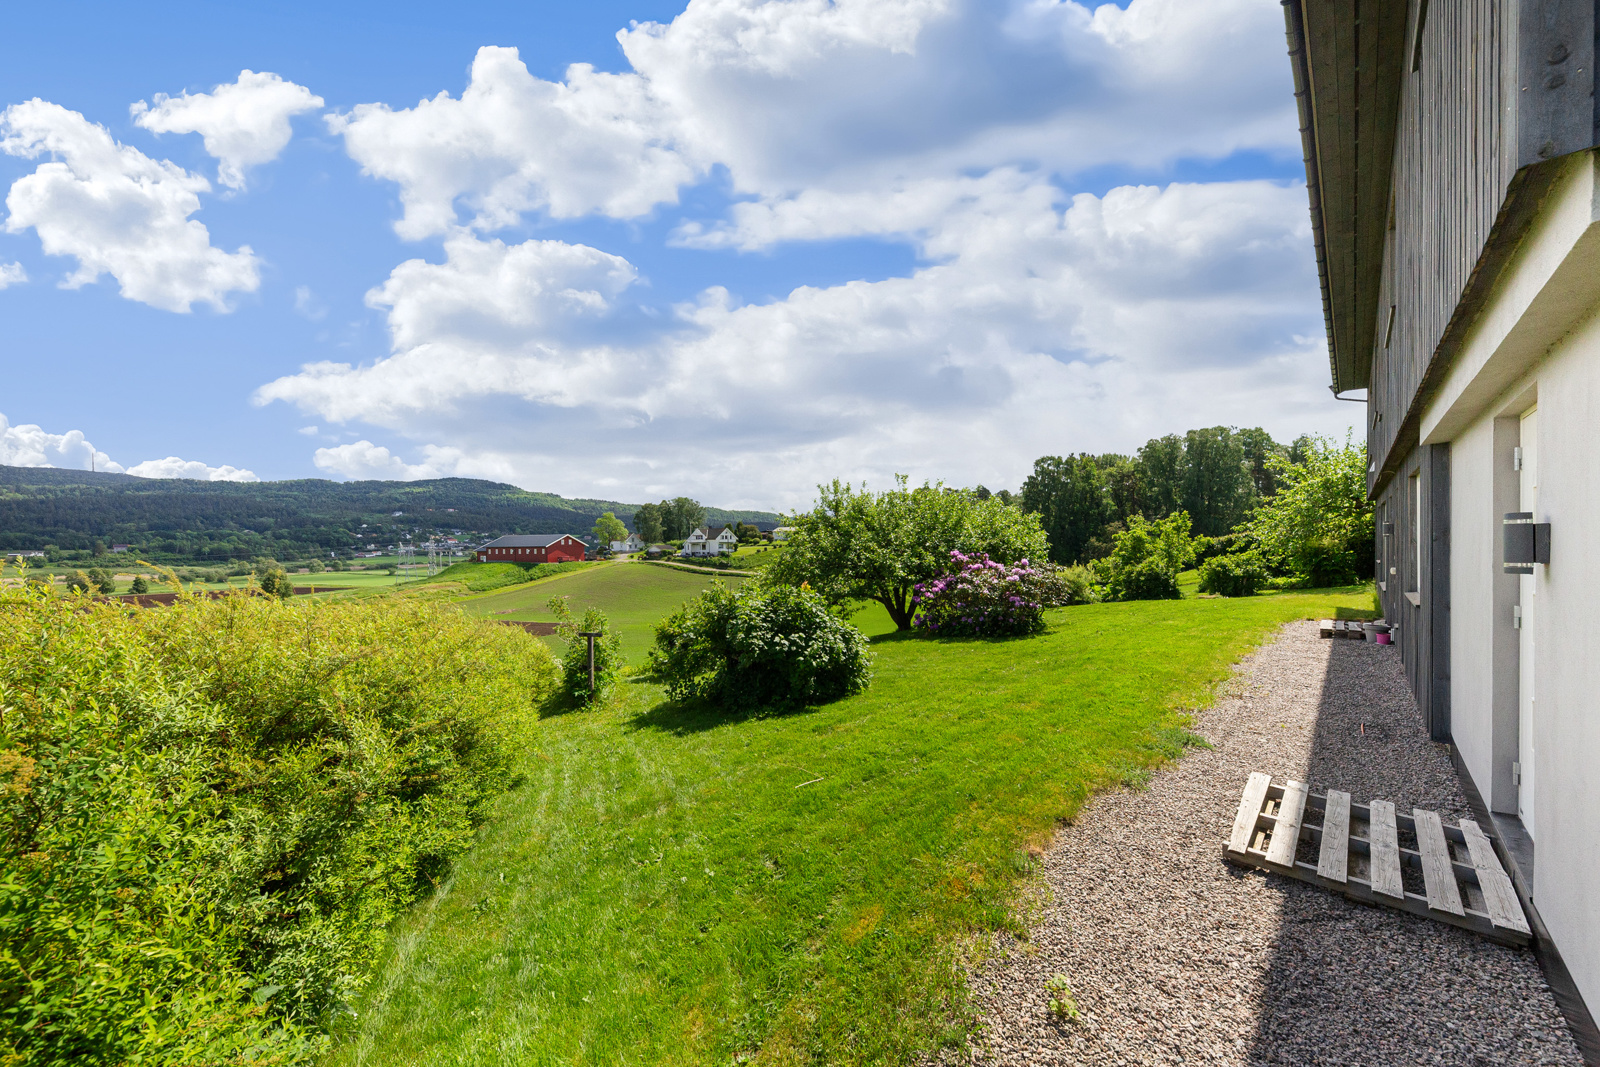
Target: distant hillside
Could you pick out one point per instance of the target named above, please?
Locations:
(171, 519)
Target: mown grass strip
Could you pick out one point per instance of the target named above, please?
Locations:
(661, 890)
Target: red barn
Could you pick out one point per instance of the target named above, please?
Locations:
(532, 548)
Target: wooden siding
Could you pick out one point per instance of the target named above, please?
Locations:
(1493, 93)
(1455, 155)
(1423, 571)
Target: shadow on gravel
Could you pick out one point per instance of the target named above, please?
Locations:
(1354, 984)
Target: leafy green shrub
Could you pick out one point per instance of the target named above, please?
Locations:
(277, 583)
(575, 664)
(762, 646)
(103, 581)
(1318, 526)
(210, 812)
(1145, 563)
(140, 585)
(1237, 575)
(1060, 587)
(1329, 561)
(79, 582)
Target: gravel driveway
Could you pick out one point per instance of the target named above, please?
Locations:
(1175, 956)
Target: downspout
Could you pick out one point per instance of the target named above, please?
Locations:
(1294, 21)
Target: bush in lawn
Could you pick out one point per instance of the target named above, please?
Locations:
(1241, 574)
(1145, 563)
(575, 663)
(1318, 526)
(210, 812)
(277, 583)
(1060, 587)
(140, 585)
(980, 598)
(766, 645)
(79, 583)
(104, 581)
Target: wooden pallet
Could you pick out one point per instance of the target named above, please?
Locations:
(1359, 854)
(1347, 628)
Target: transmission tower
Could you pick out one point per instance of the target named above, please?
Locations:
(408, 555)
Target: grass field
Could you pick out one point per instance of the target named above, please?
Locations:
(674, 885)
(633, 596)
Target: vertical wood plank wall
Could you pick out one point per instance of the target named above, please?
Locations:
(1424, 628)
(1455, 156)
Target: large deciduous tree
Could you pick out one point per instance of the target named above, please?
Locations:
(647, 523)
(680, 517)
(609, 528)
(858, 545)
(1319, 523)
(1070, 499)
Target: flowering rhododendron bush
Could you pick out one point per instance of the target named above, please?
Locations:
(981, 598)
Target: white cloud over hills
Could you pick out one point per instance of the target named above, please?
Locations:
(28, 445)
(1034, 321)
(1033, 317)
(118, 212)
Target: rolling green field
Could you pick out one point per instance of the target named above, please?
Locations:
(634, 597)
(675, 885)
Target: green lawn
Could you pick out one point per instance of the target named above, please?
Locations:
(675, 885)
(634, 597)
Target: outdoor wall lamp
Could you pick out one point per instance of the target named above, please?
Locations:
(1526, 542)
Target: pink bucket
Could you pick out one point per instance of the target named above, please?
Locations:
(1383, 639)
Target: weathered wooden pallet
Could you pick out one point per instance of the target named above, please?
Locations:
(1358, 853)
(1348, 628)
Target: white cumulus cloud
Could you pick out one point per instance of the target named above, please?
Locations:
(513, 142)
(244, 123)
(117, 211)
(30, 446)
(1112, 315)
(173, 467)
(1034, 319)
(361, 460)
(12, 274)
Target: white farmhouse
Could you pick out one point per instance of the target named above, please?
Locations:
(633, 544)
(702, 542)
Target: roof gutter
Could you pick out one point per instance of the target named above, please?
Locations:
(1294, 21)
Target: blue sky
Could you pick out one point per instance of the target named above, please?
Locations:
(752, 247)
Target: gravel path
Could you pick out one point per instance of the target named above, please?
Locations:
(1175, 956)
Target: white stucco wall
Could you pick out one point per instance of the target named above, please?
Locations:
(1538, 341)
(1567, 663)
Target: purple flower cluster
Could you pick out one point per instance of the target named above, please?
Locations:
(979, 598)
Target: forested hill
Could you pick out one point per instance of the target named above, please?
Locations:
(176, 518)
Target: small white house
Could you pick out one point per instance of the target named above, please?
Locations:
(782, 533)
(703, 542)
(633, 544)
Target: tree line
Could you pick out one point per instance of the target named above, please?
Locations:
(1217, 475)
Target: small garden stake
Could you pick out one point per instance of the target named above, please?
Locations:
(591, 635)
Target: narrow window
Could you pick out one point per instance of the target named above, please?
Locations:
(1414, 582)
